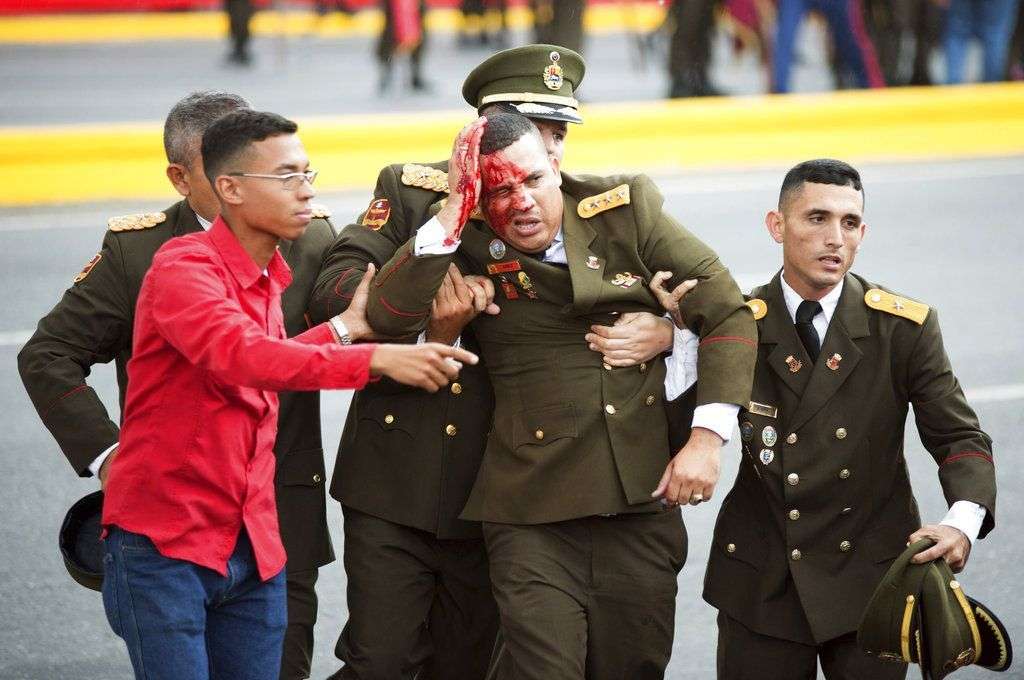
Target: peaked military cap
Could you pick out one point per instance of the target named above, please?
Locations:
(80, 543)
(920, 614)
(538, 81)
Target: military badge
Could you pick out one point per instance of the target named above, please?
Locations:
(767, 456)
(746, 430)
(504, 267)
(762, 409)
(87, 268)
(833, 362)
(794, 364)
(527, 285)
(593, 262)
(510, 291)
(769, 436)
(377, 213)
(496, 249)
(624, 280)
(553, 73)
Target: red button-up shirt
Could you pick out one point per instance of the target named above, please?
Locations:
(195, 459)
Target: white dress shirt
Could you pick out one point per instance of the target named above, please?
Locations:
(719, 418)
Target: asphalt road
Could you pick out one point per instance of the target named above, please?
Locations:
(945, 233)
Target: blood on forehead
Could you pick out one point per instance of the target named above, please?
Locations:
(500, 173)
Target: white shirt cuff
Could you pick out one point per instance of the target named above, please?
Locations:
(719, 418)
(94, 467)
(967, 517)
(681, 365)
(422, 338)
(430, 240)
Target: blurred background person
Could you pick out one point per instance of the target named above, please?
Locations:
(483, 25)
(845, 19)
(991, 22)
(899, 27)
(404, 32)
(1015, 61)
(239, 15)
(689, 55)
(558, 22)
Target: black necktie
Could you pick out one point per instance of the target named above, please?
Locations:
(807, 310)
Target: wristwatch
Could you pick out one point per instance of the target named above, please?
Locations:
(341, 330)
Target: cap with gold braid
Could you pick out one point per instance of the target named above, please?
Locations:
(539, 81)
(920, 614)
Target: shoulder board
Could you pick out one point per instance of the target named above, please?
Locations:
(424, 177)
(320, 210)
(135, 222)
(612, 198)
(884, 301)
(758, 307)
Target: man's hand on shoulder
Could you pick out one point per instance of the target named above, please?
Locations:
(951, 544)
(692, 474)
(458, 301)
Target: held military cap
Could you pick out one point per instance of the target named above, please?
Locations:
(80, 543)
(538, 81)
(920, 614)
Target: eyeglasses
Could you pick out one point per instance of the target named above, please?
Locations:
(289, 182)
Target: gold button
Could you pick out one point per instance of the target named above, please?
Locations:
(844, 474)
(316, 479)
(793, 479)
(456, 388)
(794, 514)
(730, 548)
(845, 546)
(451, 430)
(650, 400)
(791, 439)
(643, 368)
(609, 409)
(539, 434)
(796, 555)
(389, 419)
(841, 433)
(607, 367)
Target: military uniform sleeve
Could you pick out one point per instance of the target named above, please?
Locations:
(402, 291)
(948, 426)
(89, 325)
(359, 244)
(714, 310)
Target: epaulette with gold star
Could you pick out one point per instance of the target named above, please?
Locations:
(594, 205)
(320, 210)
(758, 307)
(884, 301)
(425, 177)
(135, 222)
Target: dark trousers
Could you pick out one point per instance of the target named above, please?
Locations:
(239, 15)
(414, 601)
(181, 621)
(587, 598)
(690, 47)
(297, 656)
(744, 655)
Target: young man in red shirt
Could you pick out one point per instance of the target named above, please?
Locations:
(194, 580)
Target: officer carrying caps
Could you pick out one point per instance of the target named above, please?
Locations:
(920, 614)
(538, 81)
(80, 543)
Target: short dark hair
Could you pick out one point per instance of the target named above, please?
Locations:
(189, 118)
(232, 134)
(504, 130)
(819, 171)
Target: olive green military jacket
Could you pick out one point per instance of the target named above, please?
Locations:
(571, 437)
(822, 503)
(406, 455)
(93, 323)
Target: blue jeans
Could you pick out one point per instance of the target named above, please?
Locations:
(181, 621)
(991, 22)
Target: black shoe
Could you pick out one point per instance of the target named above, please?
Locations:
(419, 85)
(239, 58)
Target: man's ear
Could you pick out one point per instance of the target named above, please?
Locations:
(776, 224)
(228, 190)
(555, 164)
(178, 175)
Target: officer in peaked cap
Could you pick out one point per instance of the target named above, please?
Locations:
(538, 81)
(408, 459)
(920, 614)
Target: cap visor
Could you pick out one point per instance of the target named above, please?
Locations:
(996, 651)
(566, 114)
